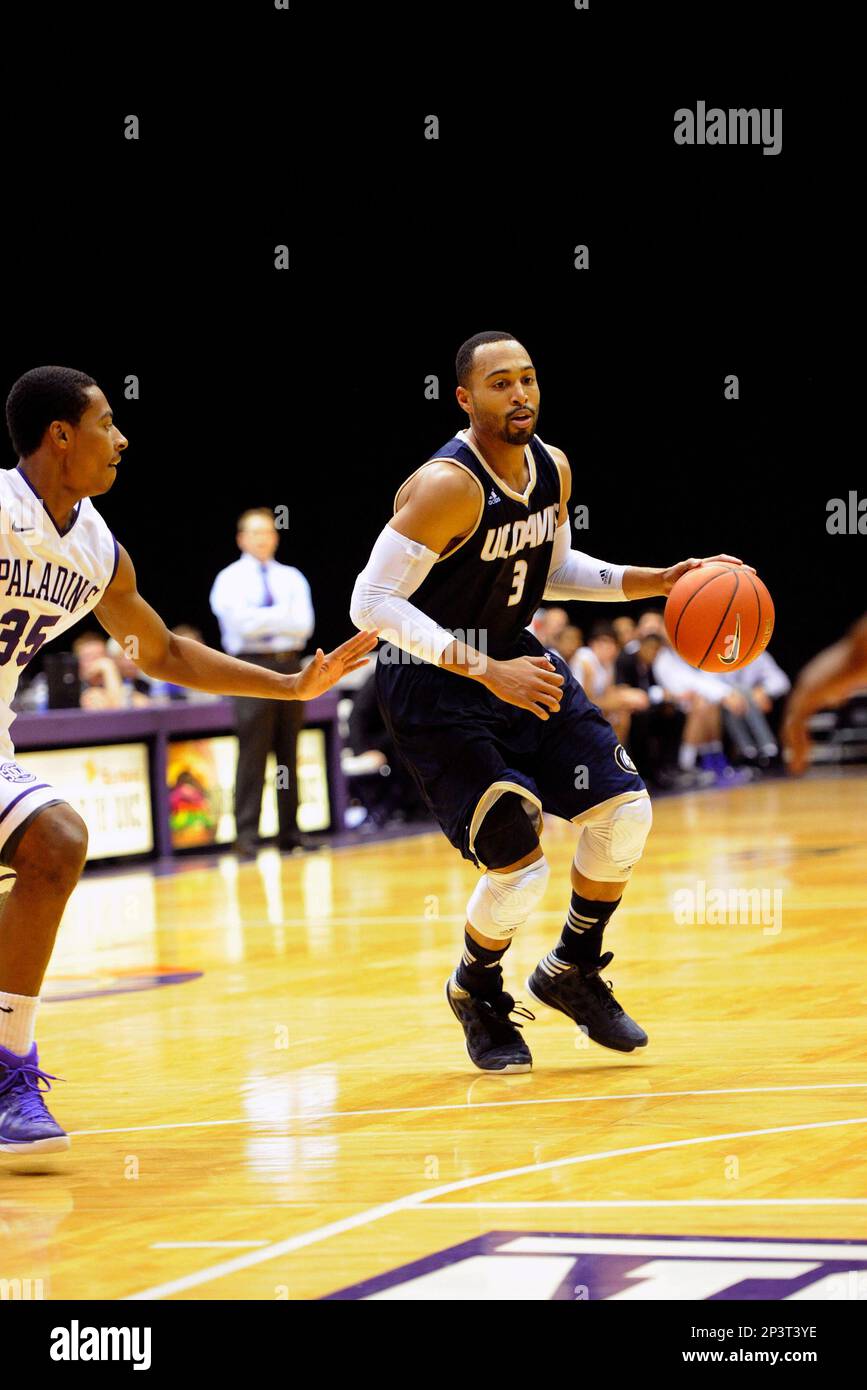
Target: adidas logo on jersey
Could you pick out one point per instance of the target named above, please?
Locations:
(493, 497)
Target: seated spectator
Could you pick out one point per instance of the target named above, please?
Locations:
(136, 685)
(703, 697)
(679, 739)
(548, 623)
(567, 644)
(763, 684)
(624, 630)
(101, 682)
(650, 621)
(654, 733)
(593, 667)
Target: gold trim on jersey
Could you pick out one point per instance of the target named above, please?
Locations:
(547, 448)
(510, 492)
(495, 790)
(447, 554)
(603, 807)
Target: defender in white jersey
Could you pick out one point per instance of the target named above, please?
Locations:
(59, 561)
(49, 578)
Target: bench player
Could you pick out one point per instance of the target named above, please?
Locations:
(58, 561)
(493, 737)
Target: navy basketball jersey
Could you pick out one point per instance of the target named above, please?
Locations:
(492, 581)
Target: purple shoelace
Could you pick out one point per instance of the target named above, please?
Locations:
(23, 1076)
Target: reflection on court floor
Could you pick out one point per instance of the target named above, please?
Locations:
(269, 1098)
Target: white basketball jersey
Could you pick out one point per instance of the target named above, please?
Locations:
(48, 579)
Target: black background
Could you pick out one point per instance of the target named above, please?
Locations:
(306, 387)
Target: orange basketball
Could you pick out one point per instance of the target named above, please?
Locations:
(719, 617)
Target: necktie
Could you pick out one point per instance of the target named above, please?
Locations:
(267, 596)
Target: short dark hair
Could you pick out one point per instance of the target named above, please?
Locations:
(602, 628)
(466, 352)
(40, 396)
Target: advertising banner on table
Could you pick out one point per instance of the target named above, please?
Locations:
(201, 781)
(109, 786)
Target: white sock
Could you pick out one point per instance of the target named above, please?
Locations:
(17, 1022)
(686, 757)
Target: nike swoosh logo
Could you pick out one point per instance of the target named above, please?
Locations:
(21, 528)
(736, 645)
(4, 1009)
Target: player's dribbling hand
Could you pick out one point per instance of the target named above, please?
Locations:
(670, 576)
(530, 682)
(324, 671)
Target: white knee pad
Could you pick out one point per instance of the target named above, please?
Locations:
(611, 843)
(501, 903)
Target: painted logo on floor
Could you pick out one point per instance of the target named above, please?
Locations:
(60, 989)
(542, 1265)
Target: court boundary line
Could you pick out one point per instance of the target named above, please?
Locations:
(652, 1202)
(371, 1215)
(417, 919)
(203, 1244)
(480, 1105)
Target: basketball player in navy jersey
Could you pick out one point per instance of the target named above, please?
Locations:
(493, 727)
(58, 561)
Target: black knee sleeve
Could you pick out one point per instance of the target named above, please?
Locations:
(506, 833)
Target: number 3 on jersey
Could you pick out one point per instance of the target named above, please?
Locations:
(519, 574)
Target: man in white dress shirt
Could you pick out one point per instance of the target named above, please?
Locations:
(266, 616)
(761, 683)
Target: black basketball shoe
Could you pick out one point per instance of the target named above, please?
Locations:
(493, 1040)
(578, 992)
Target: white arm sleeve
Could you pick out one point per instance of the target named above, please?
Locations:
(573, 574)
(396, 568)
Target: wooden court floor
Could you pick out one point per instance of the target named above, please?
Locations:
(269, 1097)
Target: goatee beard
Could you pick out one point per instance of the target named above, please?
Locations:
(508, 437)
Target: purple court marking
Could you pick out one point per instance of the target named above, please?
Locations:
(125, 985)
(595, 1276)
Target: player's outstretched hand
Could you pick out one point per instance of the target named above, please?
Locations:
(324, 671)
(530, 682)
(671, 576)
(795, 739)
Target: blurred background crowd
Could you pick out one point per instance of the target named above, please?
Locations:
(684, 729)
